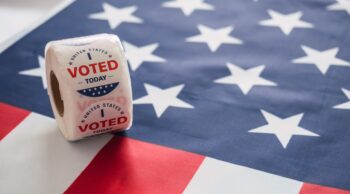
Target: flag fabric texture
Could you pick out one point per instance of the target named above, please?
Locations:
(245, 96)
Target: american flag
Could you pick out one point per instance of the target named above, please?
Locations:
(244, 96)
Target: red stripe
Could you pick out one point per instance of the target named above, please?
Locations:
(10, 117)
(126, 165)
(308, 188)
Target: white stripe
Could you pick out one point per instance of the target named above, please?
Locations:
(215, 176)
(6, 40)
(35, 158)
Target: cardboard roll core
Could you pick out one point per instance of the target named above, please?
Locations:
(55, 87)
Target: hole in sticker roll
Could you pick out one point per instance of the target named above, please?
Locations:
(55, 87)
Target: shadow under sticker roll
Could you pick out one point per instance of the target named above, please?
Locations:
(89, 85)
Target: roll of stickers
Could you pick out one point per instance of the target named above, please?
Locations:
(89, 85)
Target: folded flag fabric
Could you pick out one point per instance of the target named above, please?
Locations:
(229, 97)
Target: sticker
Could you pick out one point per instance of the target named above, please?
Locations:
(95, 71)
(103, 117)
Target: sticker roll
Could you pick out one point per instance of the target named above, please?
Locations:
(89, 85)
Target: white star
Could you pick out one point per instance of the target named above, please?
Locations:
(245, 79)
(214, 37)
(115, 16)
(161, 99)
(138, 55)
(340, 5)
(345, 105)
(284, 129)
(322, 59)
(188, 6)
(286, 22)
(37, 72)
